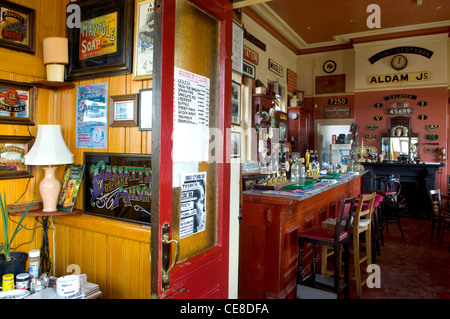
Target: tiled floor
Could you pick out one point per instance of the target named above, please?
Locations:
(411, 267)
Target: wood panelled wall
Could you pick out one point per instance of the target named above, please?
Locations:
(114, 254)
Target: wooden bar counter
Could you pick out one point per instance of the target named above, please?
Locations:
(268, 235)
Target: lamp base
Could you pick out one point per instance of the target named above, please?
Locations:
(55, 72)
(49, 188)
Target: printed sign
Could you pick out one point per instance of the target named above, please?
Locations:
(372, 127)
(91, 116)
(98, 36)
(275, 67)
(432, 127)
(190, 117)
(399, 50)
(118, 186)
(400, 111)
(248, 70)
(397, 78)
(192, 204)
(251, 55)
(338, 101)
(337, 111)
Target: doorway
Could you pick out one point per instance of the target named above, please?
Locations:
(324, 130)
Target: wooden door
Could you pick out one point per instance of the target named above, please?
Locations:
(192, 73)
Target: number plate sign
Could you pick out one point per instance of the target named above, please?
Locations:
(400, 111)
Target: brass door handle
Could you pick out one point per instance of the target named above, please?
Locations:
(168, 241)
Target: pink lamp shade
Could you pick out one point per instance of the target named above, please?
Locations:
(49, 149)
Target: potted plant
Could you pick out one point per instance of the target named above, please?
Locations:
(11, 262)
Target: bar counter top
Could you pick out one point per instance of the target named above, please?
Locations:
(299, 195)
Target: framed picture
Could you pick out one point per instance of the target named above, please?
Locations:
(16, 102)
(300, 97)
(70, 185)
(123, 110)
(236, 103)
(94, 53)
(235, 144)
(17, 27)
(238, 47)
(145, 109)
(143, 39)
(102, 190)
(12, 156)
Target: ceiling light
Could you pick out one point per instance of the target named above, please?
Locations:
(438, 7)
(351, 20)
(309, 27)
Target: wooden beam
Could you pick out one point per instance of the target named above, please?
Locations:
(246, 3)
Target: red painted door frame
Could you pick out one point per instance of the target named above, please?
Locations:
(204, 275)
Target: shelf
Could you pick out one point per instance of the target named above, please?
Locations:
(39, 212)
(53, 85)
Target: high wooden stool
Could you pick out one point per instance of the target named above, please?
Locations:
(334, 238)
(361, 223)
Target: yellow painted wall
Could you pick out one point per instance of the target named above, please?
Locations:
(114, 254)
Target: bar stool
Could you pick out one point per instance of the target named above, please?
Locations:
(376, 234)
(436, 216)
(361, 223)
(334, 238)
(389, 208)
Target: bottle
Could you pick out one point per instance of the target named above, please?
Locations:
(8, 282)
(307, 156)
(33, 265)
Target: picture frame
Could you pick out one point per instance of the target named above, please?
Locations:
(235, 103)
(300, 97)
(145, 109)
(235, 144)
(17, 100)
(12, 156)
(92, 55)
(100, 188)
(17, 27)
(238, 48)
(123, 110)
(143, 40)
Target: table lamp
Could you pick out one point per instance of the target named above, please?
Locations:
(56, 56)
(49, 149)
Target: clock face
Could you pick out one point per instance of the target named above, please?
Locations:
(294, 116)
(399, 62)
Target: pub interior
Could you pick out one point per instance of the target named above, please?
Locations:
(243, 149)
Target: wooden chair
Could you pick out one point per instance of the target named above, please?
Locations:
(334, 238)
(444, 208)
(361, 223)
(436, 217)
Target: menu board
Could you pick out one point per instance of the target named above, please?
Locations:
(190, 117)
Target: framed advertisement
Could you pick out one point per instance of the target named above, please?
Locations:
(123, 110)
(91, 116)
(145, 109)
(125, 195)
(12, 160)
(143, 40)
(17, 27)
(16, 102)
(238, 48)
(104, 43)
(235, 103)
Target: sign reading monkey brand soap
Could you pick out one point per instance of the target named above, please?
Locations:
(118, 186)
(98, 36)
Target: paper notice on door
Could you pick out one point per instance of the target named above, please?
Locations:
(190, 117)
(192, 204)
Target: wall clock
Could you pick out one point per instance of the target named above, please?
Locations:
(399, 62)
(294, 116)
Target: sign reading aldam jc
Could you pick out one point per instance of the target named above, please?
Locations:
(401, 77)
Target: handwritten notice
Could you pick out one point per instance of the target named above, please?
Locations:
(190, 117)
